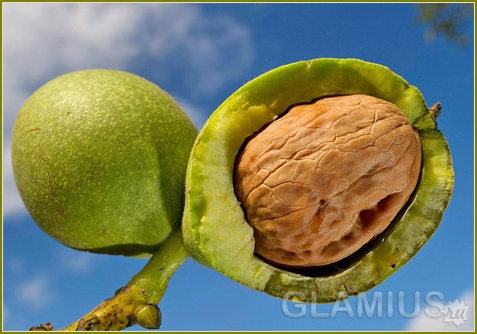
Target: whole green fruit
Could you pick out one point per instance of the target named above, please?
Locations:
(99, 158)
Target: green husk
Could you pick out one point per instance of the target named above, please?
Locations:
(214, 228)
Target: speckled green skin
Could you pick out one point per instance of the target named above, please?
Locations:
(214, 228)
(99, 157)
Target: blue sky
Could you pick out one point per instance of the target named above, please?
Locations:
(200, 54)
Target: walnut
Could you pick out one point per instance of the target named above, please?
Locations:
(326, 178)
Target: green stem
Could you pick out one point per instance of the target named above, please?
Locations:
(136, 303)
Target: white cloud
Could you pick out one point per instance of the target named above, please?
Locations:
(14, 264)
(197, 115)
(441, 323)
(12, 204)
(38, 292)
(6, 314)
(76, 261)
(199, 51)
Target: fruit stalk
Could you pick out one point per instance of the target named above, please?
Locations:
(136, 303)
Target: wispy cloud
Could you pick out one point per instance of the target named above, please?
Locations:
(15, 265)
(458, 319)
(38, 292)
(178, 42)
(12, 204)
(196, 114)
(6, 314)
(73, 261)
(43, 40)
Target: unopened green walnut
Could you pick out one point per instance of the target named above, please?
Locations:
(99, 157)
(215, 228)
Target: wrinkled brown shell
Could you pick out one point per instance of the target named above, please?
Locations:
(326, 178)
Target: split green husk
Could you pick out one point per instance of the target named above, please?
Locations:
(215, 231)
